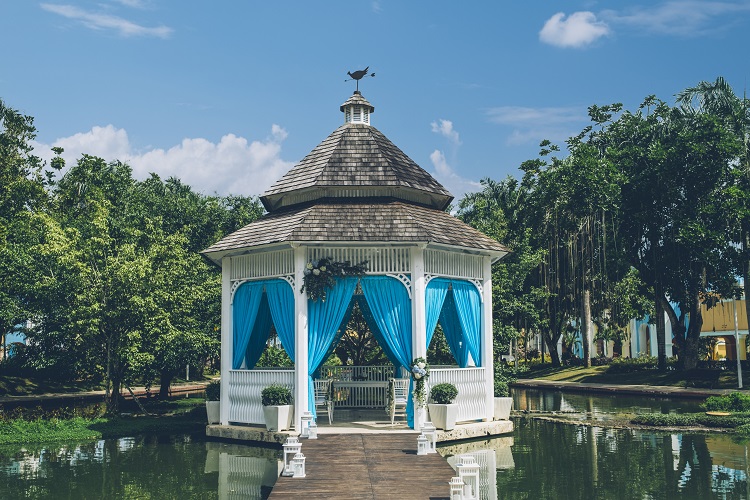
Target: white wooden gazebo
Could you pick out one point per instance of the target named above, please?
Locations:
(355, 197)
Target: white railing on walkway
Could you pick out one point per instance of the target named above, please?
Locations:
(472, 395)
(245, 387)
(361, 373)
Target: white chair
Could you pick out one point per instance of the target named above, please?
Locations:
(400, 397)
(323, 398)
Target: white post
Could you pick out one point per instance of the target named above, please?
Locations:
(419, 326)
(737, 346)
(226, 338)
(487, 344)
(300, 338)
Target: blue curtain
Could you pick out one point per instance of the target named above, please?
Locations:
(453, 331)
(435, 294)
(390, 305)
(281, 304)
(375, 329)
(325, 318)
(469, 309)
(244, 313)
(259, 336)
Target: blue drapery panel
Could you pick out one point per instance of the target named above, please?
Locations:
(244, 312)
(390, 305)
(453, 332)
(340, 333)
(281, 304)
(435, 293)
(469, 309)
(375, 329)
(325, 318)
(259, 336)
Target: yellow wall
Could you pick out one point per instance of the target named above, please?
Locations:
(720, 318)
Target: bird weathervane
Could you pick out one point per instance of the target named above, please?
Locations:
(358, 75)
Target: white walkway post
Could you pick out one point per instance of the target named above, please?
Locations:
(300, 338)
(419, 325)
(226, 338)
(487, 343)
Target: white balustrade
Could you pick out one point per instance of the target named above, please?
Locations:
(245, 387)
(359, 386)
(472, 395)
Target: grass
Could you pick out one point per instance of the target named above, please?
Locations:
(177, 416)
(598, 374)
(11, 385)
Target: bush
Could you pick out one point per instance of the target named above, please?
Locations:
(690, 419)
(276, 395)
(501, 389)
(443, 394)
(735, 401)
(213, 390)
(630, 365)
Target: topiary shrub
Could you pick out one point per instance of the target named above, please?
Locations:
(501, 388)
(213, 390)
(276, 395)
(443, 394)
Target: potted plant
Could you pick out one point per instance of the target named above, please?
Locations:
(443, 411)
(213, 391)
(277, 407)
(503, 401)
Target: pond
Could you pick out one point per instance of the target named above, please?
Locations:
(540, 460)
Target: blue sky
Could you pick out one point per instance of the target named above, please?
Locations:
(228, 96)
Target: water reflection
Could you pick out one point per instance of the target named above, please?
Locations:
(491, 455)
(597, 407)
(574, 461)
(143, 467)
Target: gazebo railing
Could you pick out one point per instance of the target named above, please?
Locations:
(245, 387)
(359, 386)
(472, 395)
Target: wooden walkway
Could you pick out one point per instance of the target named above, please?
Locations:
(367, 466)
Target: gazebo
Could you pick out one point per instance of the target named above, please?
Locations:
(355, 198)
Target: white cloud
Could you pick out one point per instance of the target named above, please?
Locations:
(578, 30)
(233, 165)
(680, 17)
(445, 128)
(132, 3)
(376, 8)
(457, 185)
(534, 124)
(98, 21)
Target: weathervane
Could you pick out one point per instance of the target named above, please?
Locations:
(358, 75)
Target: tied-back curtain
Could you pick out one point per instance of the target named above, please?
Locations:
(469, 310)
(244, 313)
(259, 335)
(435, 294)
(325, 318)
(375, 329)
(390, 305)
(453, 331)
(281, 303)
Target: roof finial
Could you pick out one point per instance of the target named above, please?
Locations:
(358, 75)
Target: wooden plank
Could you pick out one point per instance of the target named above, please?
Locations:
(367, 466)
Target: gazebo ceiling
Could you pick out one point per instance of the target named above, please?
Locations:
(355, 221)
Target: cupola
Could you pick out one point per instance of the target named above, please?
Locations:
(356, 109)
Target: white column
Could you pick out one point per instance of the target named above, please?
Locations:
(487, 343)
(226, 337)
(300, 338)
(419, 325)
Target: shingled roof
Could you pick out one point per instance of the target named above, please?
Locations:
(356, 187)
(382, 221)
(356, 156)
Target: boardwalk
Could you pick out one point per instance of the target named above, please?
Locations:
(367, 466)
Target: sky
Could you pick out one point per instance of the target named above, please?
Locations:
(228, 95)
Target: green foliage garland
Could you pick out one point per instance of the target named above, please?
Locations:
(320, 275)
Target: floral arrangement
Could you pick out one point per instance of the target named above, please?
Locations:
(320, 275)
(420, 371)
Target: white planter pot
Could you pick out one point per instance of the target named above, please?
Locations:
(213, 411)
(443, 416)
(502, 408)
(278, 418)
